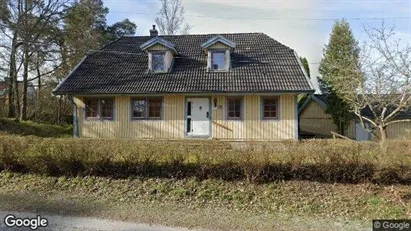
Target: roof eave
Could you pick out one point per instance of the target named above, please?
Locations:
(308, 100)
(55, 90)
(319, 101)
(217, 39)
(186, 92)
(160, 41)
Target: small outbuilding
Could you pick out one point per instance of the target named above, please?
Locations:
(315, 121)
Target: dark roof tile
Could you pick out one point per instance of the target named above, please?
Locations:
(259, 64)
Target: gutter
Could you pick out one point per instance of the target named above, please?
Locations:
(75, 118)
(189, 93)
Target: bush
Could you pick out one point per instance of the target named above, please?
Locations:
(315, 160)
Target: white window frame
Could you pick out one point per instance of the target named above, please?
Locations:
(163, 54)
(224, 69)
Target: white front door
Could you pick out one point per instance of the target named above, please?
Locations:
(198, 117)
(360, 133)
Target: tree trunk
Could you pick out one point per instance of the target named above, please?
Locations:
(342, 128)
(59, 111)
(383, 133)
(23, 112)
(26, 36)
(38, 103)
(16, 99)
(10, 98)
(13, 77)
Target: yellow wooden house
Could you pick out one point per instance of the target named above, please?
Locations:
(240, 86)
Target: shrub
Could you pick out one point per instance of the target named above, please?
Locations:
(316, 160)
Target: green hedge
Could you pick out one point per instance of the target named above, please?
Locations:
(316, 160)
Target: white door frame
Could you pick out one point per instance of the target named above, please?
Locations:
(188, 120)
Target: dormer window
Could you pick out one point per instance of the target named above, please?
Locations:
(160, 55)
(218, 50)
(158, 62)
(218, 60)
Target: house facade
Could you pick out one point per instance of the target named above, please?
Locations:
(314, 120)
(224, 86)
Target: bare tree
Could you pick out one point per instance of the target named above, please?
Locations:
(383, 88)
(26, 24)
(170, 18)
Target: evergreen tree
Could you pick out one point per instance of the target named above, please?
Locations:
(84, 26)
(377, 80)
(304, 61)
(341, 50)
(86, 30)
(118, 30)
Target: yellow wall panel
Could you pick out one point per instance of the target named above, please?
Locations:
(173, 123)
(158, 47)
(218, 45)
(252, 127)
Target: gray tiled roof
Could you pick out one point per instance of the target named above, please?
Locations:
(259, 64)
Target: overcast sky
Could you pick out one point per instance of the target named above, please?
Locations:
(303, 25)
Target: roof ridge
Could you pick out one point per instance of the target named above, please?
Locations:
(282, 44)
(139, 36)
(108, 44)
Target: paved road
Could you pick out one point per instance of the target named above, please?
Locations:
(66, 223)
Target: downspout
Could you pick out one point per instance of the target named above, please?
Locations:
(75, 118)
(297, 122)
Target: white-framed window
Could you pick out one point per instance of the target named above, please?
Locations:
(158, 62)
(147, 108)
(270, 108)
(234, 108)
(218, 61)
(99, 109)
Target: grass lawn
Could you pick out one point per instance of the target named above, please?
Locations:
(210, 204)
(25, 128)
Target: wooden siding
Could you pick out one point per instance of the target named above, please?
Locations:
(218, 45)
(158, 47)
(173, 123)
(314, 119)
(399, 130)
(252, 127)
(170, 127)
(350, 133)
(314, 111)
